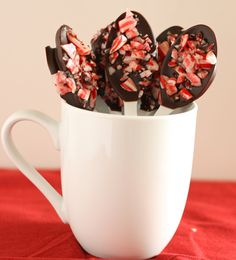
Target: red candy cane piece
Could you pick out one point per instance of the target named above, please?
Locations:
(171, 89)
(180, 79)
(128, 59)
(128, 23)
(74, 64)
(189, 63)
(171, 81)
(194, 79)
(129, 85)
(211, 57)
(113, 57)
(60, 77)
(172, 63)
(70, 49)
(71, 84)
(152, 65)
(137, 45)
(171, 39)
(183, 41)
(145, 74)
(204, 64)
(185, 94)
(180, 70)
(138, 54)
(72, 67)
(126, 47)
(163, 81)
(134, 66)
(169, 84)
(60, 83)
(81, 47)
(132, 33)
(84, 94)
(118, 43)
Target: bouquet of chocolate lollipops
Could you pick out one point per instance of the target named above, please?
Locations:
(129, 71)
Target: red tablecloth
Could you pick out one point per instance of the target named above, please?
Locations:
(29, 227)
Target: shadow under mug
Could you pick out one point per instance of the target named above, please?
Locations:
(125, 179)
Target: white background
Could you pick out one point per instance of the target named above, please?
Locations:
(28, 26)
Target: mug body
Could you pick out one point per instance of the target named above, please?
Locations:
(125, 179)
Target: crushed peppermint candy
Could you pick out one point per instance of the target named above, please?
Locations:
(70, 49)
(128, 23)
(129, 85)
(63, 84)
(118, 43)
(81, 48)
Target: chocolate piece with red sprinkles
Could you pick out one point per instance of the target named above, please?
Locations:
(107, 93)
(164, 41)
(74, 70)
(149, 99)
(130, 56)
(189, 67)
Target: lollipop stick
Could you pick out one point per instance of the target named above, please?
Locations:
(163, 111)
(130, 108)
(101, 106)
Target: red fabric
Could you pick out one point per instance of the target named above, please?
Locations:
(30, 228)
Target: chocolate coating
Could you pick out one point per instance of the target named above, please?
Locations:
(96, 43)
(148, 100)
(55, 55)
(51, 59)
(209, 37)
(173, 29)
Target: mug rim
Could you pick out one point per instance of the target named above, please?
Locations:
(192, 108)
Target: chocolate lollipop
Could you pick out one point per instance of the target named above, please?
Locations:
(74, 70)
(130, 61)
(106, 92)
(149, 100)
(188, 68)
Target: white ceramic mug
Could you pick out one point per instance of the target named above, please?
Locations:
(125, 179)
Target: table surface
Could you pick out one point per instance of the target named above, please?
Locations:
(29, 227)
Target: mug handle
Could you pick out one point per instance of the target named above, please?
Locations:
(26, 168)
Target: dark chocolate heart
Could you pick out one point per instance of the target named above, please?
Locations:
(200, 41)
